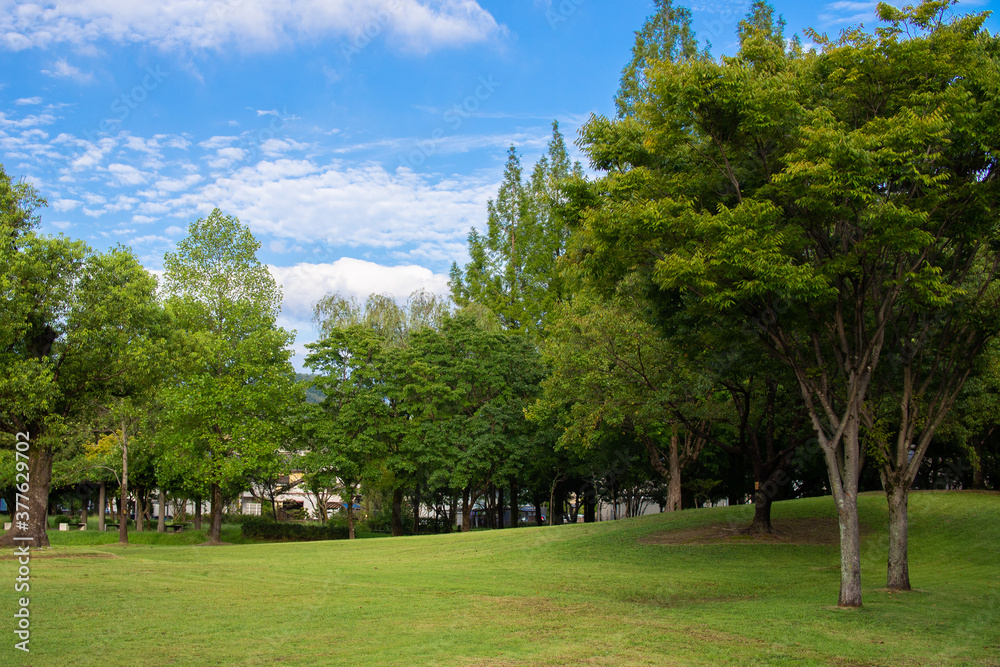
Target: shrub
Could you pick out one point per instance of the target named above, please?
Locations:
(264, 528)
(54, 521)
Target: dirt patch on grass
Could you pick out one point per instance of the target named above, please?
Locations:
(816, 531)
(46, 553)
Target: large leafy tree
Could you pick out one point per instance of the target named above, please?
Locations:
(843, 203)
(68, 327)
(221, 420)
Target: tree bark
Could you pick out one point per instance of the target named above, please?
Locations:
(197, 514)
(538, 510)
(500, 507)
(101, 502)
(123, 503)
(30, 520)
(215, 531)
(140, 510)
(161, 511)
(978, 475)
(674, 479)
(83, 511)
(416, 510)
(515, 509)
(397, 512)
(898, 571)
(466, 510)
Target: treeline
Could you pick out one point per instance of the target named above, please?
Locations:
(780, 281)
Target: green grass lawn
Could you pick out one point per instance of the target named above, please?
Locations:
(589, 594)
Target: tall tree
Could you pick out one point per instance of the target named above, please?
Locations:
(513, 269)
(222, 416)
(838, 202)
(68, 319)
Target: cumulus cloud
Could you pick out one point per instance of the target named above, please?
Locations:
(28, 100)
(416, 25)
(341, 204)
(304, 284)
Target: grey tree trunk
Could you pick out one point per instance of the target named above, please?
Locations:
(161, 510)
(898, 572)
(674, 481)
(101, 502)
(197, 514)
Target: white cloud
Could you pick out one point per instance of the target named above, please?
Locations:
(416, 25)
(62, 205)
(126, 174)
(28, 100)
(304, 284)
(353, 205)
(63, 70)
(27, 121)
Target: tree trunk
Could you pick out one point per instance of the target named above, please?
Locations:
(397, 512)
(466, 510)
(350, 520)
(123, 502)
(590, 503)
(850, 550)
(161, 511)
(500, 507)
(101, 502)
(197, 514)
(416, 510)
(139, 511)
(978, 476)
(898, 574)
(515, 509)
(674, 479)
(537, 501)
(215, 531)
(29, 520)
(761, 524)
(83, 511)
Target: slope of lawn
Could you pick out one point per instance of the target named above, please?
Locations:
(596, 594)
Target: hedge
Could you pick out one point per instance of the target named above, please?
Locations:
(264, 528)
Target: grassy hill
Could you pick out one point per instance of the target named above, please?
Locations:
(658, 590)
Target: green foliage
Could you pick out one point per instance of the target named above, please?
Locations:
(265, 530)
(221, 420)
(514, 270)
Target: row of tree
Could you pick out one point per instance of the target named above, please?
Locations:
(781, 282)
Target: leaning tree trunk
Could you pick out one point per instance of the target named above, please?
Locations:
(29, 514)
(397, 512)
(215, 532)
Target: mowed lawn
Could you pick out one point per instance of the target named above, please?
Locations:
(595, 594)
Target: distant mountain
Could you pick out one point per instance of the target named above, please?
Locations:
(313, 395)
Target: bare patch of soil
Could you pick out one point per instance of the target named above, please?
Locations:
(45, 553)
(817, 531)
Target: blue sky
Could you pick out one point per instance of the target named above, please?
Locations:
(358, 139)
